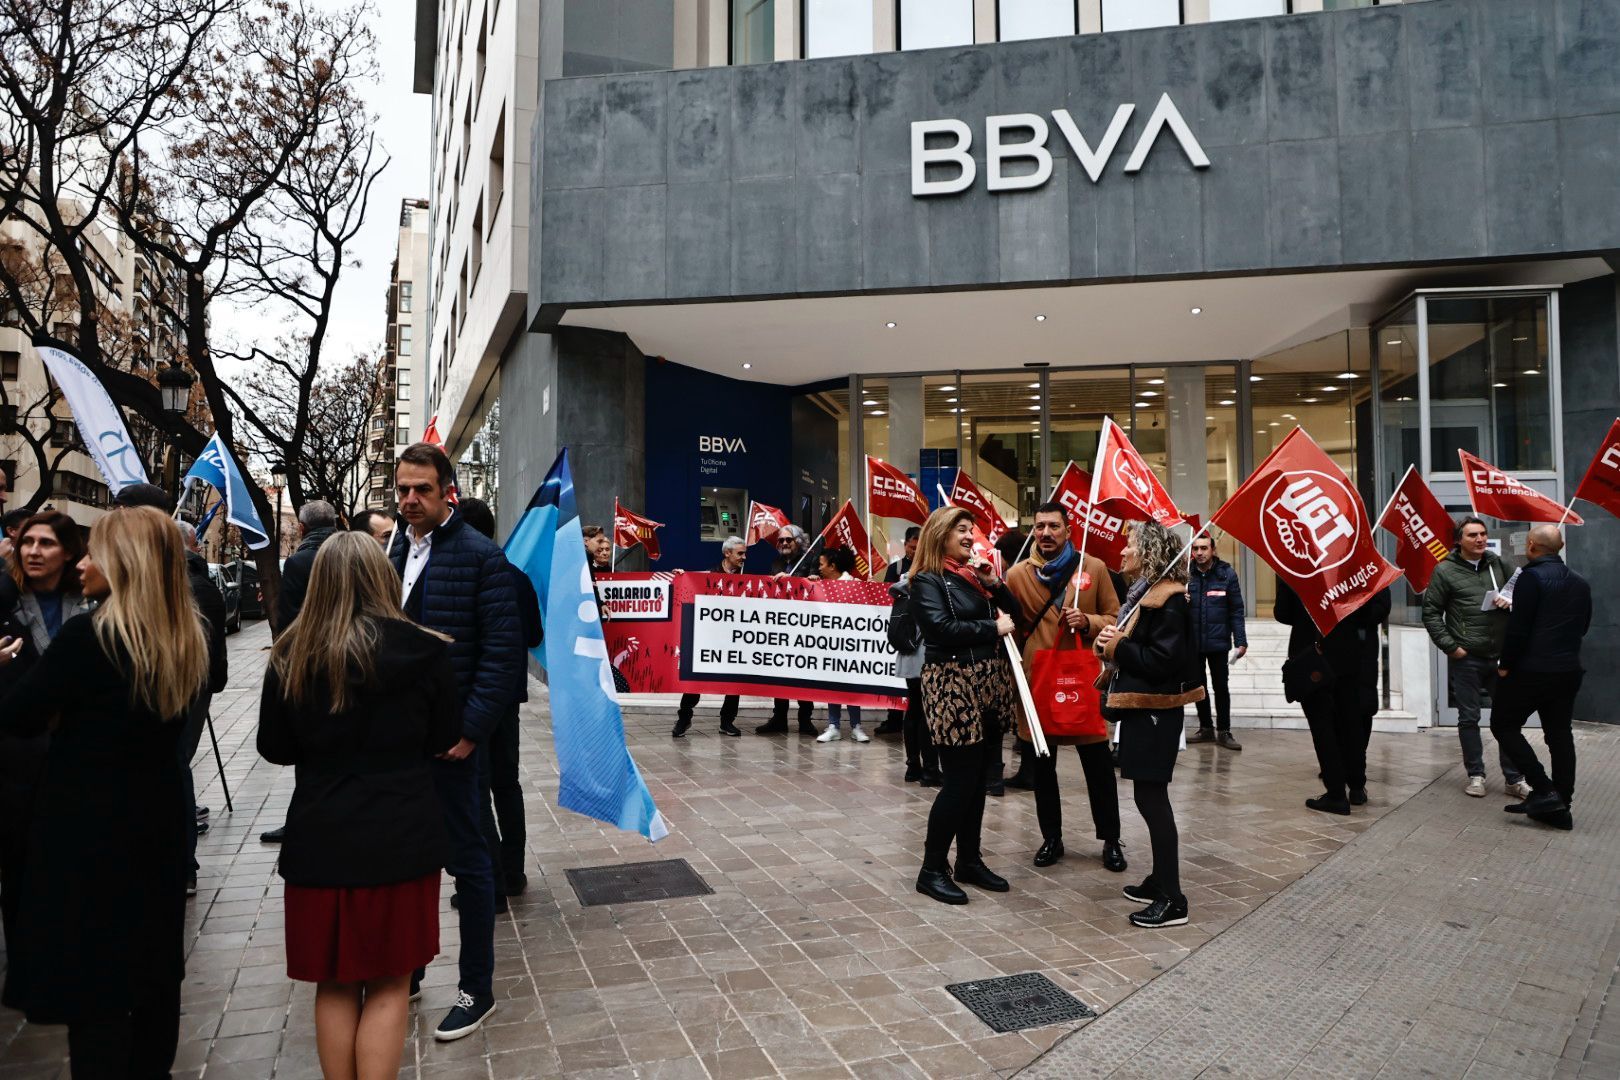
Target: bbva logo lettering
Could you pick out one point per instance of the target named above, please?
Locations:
(720, 444)
(998, 151)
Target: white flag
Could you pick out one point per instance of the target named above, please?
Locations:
(101, 425)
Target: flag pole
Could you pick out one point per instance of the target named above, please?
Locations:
(613, 539)
(1410, 469)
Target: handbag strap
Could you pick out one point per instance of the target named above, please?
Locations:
(1052, 597)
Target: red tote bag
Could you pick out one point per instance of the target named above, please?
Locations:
(1061, 681)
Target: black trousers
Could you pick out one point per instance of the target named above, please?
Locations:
(134, 1045)
(1552, 697)
(958, 810)
(779, 707)
(1153, 803)
(919, 744)
(1102, 789)
(1340, 730)
(504, 831)
(190, 739)
(1217, 681)
(728, 708)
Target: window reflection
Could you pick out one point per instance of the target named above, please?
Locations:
(1021, 20)
(1488, 382)
(753, 31)
(837, 28)
(1137, 14)
(1221, 10)
(933, 24)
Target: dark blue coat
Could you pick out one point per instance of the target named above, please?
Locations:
(466, 591)
(1552, 611)
(1216, 599)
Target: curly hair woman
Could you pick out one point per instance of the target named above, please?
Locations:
(1152, 673)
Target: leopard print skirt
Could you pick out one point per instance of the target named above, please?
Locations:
(967, 702)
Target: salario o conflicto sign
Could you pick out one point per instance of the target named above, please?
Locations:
(1029, 144)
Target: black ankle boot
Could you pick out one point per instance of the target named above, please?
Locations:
(1114, 857)
(1050, 852)
(938, 885)
(976, 873)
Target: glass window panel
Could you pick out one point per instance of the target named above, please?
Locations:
(1488, 382)
(753, 31)
(932, 24)
(1136, 14)
(1080, 400)
(1346, 5)
(606, 36)
(1000, 429)
(1221, 10)
(1024, 19)
(837, 28)
(910, 422)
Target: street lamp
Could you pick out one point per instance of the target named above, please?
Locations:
(174, 387)
(278, 477)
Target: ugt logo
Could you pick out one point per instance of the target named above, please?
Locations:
(1130, 474)
(1308, 522)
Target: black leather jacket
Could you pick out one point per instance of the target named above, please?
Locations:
(956, 621)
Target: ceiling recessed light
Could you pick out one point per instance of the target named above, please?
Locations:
(1330, 389)
(1040, 318)
(1227, 401)
(1274, 423)
(1404, 397)
(1155, 382)
(1144, 404)
(1034, 408)
(1209, 418)
(1197, 311)
(1348, 375)
(1521, 339)
(950, 401)
(1257, 378)
(890, 325)
(870, 401)
(1393, 341)
(1289, 416)
(1311, 400)
(747, 366)
(1499, 385)
(1034, 386)
(1531, 371)
(947, 388)
(876, 412)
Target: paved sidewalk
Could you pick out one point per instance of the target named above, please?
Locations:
(1448, 940)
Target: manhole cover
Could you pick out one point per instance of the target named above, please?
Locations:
(1016, 1002)
(629, 883)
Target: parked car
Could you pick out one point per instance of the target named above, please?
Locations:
(252, 593)
(225, 581)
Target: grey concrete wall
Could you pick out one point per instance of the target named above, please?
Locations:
(1449, 130)
(1590, 340)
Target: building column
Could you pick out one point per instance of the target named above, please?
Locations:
(1187, 440)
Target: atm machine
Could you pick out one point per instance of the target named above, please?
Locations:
(722, 512)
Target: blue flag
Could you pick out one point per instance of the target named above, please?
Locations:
(208, 518)
(598, 777)
(216, 468)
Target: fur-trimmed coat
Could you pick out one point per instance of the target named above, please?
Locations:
(1155, 655)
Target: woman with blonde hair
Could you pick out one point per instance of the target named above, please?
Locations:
(360, 699)
(967, 692)
(1153, 672)
(104, 892)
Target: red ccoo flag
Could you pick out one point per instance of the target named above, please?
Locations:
(846, 531)
(1105, 533)
(431, 435)
(1300, 514)
(1123, 483)
(764, 522)
(1419, 522)
(1492, 491)
(891, 494)
(1601, 484)
(632, 529)
(966, 494)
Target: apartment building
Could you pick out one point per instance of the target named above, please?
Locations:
(399, 419)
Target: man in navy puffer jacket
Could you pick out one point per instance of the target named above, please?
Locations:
(1216, 600)
(456, 581)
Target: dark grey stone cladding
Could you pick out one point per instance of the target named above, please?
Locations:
(1451, 130)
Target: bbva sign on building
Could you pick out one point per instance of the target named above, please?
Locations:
(956, 156)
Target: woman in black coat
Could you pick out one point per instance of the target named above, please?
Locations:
(1340, 714)
(360, 700)
(967, 693)
(103, 896)
(1153, 673)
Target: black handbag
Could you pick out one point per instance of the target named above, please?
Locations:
(1306, 674)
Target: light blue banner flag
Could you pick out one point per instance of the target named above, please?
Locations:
(216, 468)
(598, 777)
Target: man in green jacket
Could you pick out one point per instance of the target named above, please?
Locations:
(1470, 632)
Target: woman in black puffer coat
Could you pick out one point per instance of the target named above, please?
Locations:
(961, 610)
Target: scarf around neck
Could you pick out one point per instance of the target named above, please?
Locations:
(967, 574)
(1051, 571)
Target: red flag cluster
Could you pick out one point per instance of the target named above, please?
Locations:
(846, 531)
(1123, 484)
(1105, 532)
(631, 529)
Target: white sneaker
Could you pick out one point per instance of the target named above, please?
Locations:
(1475, 787)
(832, 735)
(1521, 790)
(858, 735)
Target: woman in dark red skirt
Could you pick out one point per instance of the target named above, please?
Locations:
(360, 700)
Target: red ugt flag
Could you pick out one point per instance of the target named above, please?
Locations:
(966, 494)
(632, 529)
(1492, 491)
(1105, 533)
(846, 531)
(1299, 513)
(1601, 484)
(764, 522)
(1418, 522)
(890, 493)
(1124, 483)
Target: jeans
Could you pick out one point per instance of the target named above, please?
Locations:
(135, 1045)
(1470, 677)
(504, 831)
(958, 810)
(458, 786)
(190, 739)
(1217, 664)
(1552, 696)
(919, 744)
(834, 712)
(1339, 731)
(728, 708)
(1102, 789)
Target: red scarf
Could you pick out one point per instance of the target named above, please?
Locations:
(967, 574)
